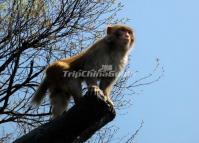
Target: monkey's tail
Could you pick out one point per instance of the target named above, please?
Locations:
(40, 93)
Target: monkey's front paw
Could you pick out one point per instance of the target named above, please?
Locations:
(95, 90)
(109, 101)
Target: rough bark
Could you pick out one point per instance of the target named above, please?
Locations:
(76, 125)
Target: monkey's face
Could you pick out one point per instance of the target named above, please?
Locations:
(122, 34)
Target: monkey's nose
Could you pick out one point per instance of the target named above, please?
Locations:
(127, 35)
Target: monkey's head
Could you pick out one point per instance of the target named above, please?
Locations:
(121, 33)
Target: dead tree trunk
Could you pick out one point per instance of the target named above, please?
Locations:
(74, 126)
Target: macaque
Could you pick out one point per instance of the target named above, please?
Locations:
(111, 51)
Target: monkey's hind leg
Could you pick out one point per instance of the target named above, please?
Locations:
(75, 89)
(59, 101)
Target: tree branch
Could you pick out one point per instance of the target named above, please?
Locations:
(74, 126)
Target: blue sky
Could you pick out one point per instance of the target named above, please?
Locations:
(169, 108)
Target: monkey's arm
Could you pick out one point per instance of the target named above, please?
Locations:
(106, 86)
(91, 81)
(93, 87)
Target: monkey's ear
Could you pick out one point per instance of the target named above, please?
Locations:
(109, 30)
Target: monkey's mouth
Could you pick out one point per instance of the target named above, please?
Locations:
(126, 37)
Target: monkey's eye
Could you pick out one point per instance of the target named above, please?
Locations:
(125, 30)
(129, 32)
